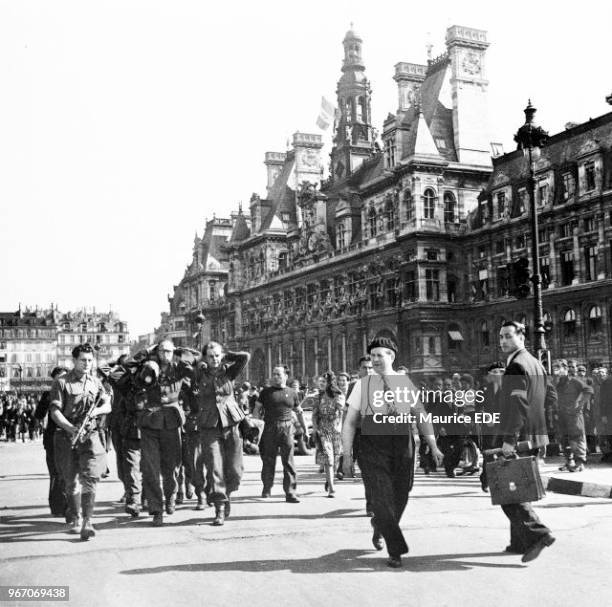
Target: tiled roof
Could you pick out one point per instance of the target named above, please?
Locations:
(241, 229)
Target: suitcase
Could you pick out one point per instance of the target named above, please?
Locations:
(514, 481)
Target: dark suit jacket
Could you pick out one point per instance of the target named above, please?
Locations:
(523, 394)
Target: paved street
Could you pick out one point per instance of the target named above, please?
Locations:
(268, 550)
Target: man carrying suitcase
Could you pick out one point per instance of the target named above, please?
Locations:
(523, 417)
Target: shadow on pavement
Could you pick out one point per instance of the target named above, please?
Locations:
(341, 561)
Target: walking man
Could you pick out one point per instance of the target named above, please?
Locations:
(386, 456)
(72, 395)
(523, 394)
(218, 417)
(278, 402)
(160, 422)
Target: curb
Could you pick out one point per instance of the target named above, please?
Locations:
(584, 489)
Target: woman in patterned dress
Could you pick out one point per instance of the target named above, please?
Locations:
(327, 427)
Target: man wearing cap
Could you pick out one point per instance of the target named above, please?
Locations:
(386, 452)
(72, 395)
(571, 394)
(160, 421)
(522, 399)
(57, 499)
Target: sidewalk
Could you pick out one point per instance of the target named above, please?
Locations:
(595, 481)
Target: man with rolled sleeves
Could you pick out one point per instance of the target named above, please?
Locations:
(278, 402)
(218, 417)
(386, 453)
(160, 421)
(523, 418)
(71, 397)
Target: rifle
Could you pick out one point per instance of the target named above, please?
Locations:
(86, 424)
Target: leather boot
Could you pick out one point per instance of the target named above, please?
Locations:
(87, 502)
(73, 514)
(219, 514)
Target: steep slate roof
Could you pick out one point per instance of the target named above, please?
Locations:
(281, 197)
(241, 229)
(439, 118)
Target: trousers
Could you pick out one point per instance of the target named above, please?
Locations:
(57, 499)
(161, 455)
(278, 436)
(387, 466)
(222, 453)
(80, 468)
(525, 526)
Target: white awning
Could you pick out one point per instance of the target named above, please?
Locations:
(455, 335)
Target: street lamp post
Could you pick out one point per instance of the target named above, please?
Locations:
(530, 139)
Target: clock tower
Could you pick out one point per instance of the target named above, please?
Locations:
(466, 50)
(353, 136)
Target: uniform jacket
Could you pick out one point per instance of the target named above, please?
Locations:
(160, 401)
(214, 392)
(523, 396)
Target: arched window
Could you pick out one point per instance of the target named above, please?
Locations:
(548, 323)
(372, 221)
(594, 321)
(450, 208)
(429, 204)
(484, 334)
(389, 215)
(569, 324)
(408, 206)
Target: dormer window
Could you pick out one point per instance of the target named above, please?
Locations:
(501, 204)
(390, 152)
(589, 175)
(372, 221)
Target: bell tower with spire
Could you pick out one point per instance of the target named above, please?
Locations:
(353, 137)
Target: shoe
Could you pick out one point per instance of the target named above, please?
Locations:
(377, 540)
(158, 519)
(122, 499)
(170, 506)
(578, 466)
(265, 493)
(331, 494)
(292, 499)
(450, 473)
(219, 519)
(227, 508)
(340, 475)
(133, 509)
(87, 530)
(567, 467)
(189, 493)
(395, 562)
(534, 552)
(200, 505)
(180, 498)
(75, 525)
(510, 549)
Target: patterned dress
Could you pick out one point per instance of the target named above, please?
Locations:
(327, 412)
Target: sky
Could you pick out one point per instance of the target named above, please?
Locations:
(124, 124)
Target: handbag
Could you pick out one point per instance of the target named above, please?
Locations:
(514, 481)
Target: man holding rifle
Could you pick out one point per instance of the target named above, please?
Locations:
(79, 452)
(523, 393)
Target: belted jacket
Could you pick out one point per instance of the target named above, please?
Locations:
(214, 392)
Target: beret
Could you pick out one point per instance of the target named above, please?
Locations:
(382, 342)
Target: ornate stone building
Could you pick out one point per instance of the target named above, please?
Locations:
(28, 349)
(105, 331)
(409, 240)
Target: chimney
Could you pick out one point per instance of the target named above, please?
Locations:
(274, 164)
(409, 77)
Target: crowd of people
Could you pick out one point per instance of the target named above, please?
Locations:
(18, 420)
(180, 422)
